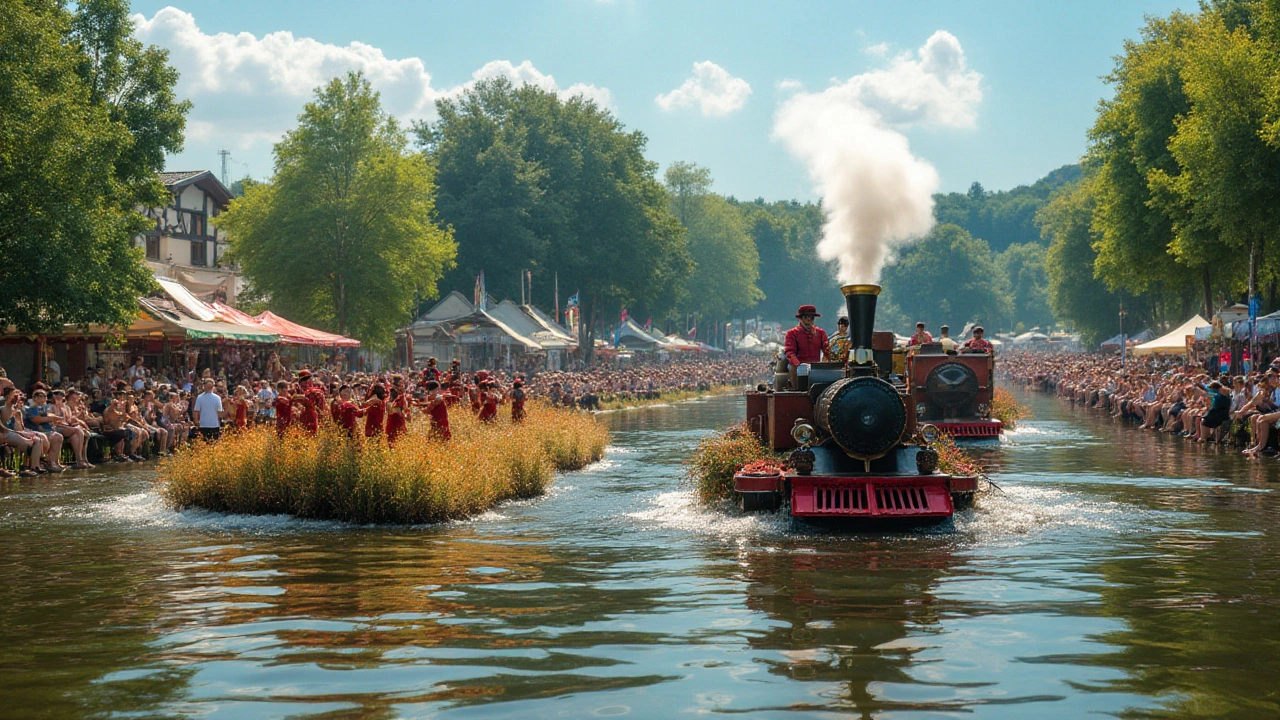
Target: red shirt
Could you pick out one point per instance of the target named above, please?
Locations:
(920, 338)
(284, 413)
(978, 345)
(805, 346)
(347, 414)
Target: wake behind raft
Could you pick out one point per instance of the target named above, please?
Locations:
(856, 452)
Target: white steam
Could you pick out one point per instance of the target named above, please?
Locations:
(875, 192)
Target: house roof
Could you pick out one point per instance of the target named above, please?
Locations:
(453, 305)
(520, 319)
(455, 327)
(204, 179)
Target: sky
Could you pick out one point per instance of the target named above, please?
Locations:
(994, 91)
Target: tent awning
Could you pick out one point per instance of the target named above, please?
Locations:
(295, 334)
(1173, 342)
(194, 329)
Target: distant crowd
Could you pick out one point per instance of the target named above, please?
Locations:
(1163, 394)
(126, 414)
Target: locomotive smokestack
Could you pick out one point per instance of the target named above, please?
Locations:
(860, 300)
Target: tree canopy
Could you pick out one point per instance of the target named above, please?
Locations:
(529, 180)
(88, 114)
(344, 236)
(947, 277)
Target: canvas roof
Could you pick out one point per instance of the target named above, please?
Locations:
(462, 325)
(171, 318)
(189, 303)
(295, 334)
(630, 329)
(518, 318)
(1174, 342)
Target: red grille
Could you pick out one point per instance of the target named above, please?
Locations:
(841, 498)
(878, 497)
(975, 429)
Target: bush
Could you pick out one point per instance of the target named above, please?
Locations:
(420, 480)
(1005, 408)
(718, 457)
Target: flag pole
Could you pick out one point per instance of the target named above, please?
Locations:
(557, 296)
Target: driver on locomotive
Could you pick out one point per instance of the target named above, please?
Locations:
(805, 343)
(978, 344)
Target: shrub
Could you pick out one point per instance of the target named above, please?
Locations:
(420, 480)
(1005, 408)
(718, 457)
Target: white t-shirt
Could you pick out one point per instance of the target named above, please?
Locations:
(266, 396)
(208, 405)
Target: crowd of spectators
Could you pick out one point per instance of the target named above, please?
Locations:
(124, 414)
(588, 388)
(1162, 394)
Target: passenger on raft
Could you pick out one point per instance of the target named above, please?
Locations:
(804, 343)
(922, 336)
(838, 349)
(977, 344)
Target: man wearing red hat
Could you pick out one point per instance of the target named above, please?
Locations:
(805, 343)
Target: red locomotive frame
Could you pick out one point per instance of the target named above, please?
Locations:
(954, 393)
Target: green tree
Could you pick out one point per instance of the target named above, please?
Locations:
(786, 235)
(1228, 182)
(1002, 218)
(1024, 266)
(78, 155)
(726, 262)
(948, 277)
(569, 192)
(344, 236)
(1078, 297)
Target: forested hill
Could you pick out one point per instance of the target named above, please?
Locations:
(1005, 217)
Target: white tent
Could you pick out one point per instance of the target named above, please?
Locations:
(1174, 342)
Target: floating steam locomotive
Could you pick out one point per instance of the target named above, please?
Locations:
(856, 448)
(954, 392)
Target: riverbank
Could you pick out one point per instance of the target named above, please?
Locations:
(420, 480)
(620, 402)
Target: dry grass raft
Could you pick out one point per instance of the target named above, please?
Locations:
(420, 480)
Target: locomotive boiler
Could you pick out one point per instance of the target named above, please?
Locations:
(854, 445)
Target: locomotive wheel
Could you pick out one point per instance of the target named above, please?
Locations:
(759, 501)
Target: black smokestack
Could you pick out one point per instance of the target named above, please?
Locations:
(860, 300)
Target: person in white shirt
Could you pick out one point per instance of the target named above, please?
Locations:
(209, 412)
(266, 403)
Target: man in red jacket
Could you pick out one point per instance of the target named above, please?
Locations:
(806, 342)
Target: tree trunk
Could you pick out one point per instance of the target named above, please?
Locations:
(1208, 293)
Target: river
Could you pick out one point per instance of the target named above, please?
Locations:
(1119, 573)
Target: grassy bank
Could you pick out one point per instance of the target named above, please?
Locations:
(618, 402)
(420, 480)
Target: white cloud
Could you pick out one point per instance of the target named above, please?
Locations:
(878, 50)
(711, 88)
(790, 84)
(931, 87)
(248, 90)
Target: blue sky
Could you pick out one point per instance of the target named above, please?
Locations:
(1040, 65)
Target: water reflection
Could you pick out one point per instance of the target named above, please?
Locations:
(1112, 577)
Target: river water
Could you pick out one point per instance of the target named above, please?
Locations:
(1120, 573)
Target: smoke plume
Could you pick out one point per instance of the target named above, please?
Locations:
(875, 192)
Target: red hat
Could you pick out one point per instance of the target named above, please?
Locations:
(482, 375)
(304, 374)
(808, 310)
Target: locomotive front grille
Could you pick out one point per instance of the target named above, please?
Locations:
(871, 498)
(841, 498)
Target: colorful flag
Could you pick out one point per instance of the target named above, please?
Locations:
(648, 325)
(482, 303)
(573, 300)
(624, 314)
(475, 294)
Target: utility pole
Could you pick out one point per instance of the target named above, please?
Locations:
(226, 157)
